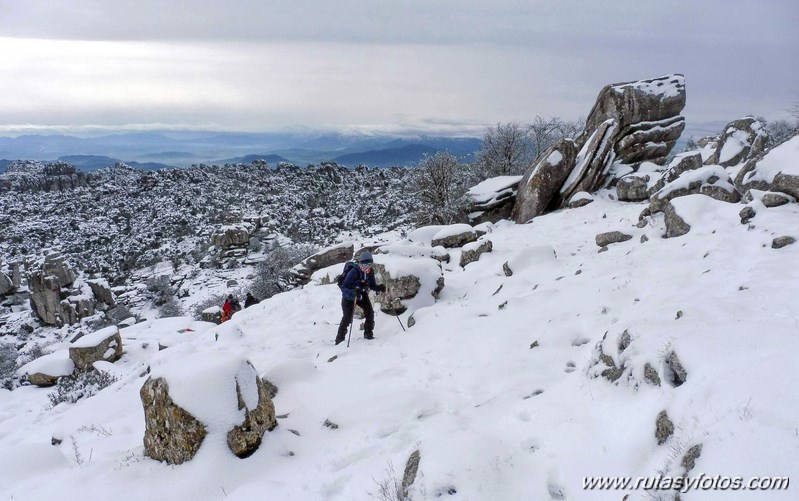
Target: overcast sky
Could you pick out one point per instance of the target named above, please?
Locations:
(408, 66)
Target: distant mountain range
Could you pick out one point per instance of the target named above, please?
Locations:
(156, 150)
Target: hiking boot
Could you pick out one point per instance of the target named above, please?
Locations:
(339, 340)
(369, 335)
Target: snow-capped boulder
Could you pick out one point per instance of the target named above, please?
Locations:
(455, 235)
(45, 370)
(777, 171)
(768, 198)
(424, 234)
(681, 163)
(542, 182)
(492, 199)
(73, 308)
(411, 283)
(330, 256)
(780, 242)
(102, 291)
(105, 345)
(741, 140)
(472, 252)
(204, 394)
(710, 180)
(580, 199)
(212, 314)
(437, 253)
(676, 226)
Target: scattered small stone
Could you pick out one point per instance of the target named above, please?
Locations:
(56, 441)
(409, 475)
(781, 242)
(502, 306)
(282, 416)
(499, 289)
(332, 358)
(679, 374)
(625, 341)
(330, 424)
(578, 272)
(664, 428)
(611, 237)
(534, 344)
(295, 432)
(690, 457)
(651, 375)
(746, 214)
(679, 315)
(644, 238)
(603, 249)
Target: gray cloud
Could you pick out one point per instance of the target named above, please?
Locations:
(258, 65)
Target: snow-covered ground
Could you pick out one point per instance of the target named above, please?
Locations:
(493, 418)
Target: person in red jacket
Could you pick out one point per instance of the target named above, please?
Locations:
(227, 308)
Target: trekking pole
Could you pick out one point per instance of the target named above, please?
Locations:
(400, 322)
(350, 336)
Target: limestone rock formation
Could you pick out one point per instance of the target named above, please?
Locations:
(45, 370)
(417, 280)
(105, 344)
(492, 199)
(102, 291)
(337, 254)
(593, 159)
(611, 237)
(47, 284)
(541, 183)
(711, 180)
(740, 140)
(675, 225)
(207, 393)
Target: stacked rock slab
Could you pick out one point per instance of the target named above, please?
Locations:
(630, 123)
(46, 286)
(337, 254)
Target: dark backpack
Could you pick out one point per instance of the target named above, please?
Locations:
(347, 267)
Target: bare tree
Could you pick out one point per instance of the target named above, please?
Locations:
(440, 183)
(506, 150)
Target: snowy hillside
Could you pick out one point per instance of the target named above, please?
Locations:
(509, 386)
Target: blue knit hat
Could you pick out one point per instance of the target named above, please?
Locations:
(365, 258)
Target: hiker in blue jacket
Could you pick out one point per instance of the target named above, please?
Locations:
(355, 287)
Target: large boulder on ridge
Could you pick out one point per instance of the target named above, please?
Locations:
(205, 394)
(411, 283)
(103, 345)
(541, 183)
(340, 253)
(492, 199)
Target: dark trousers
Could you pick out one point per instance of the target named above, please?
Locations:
(348, 308)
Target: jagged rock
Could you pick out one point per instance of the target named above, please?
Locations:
(232, 235)
(681, 164)
(678, 372)
(102, 291)
(590, 164)
(649, 140)
(741, 140)
(611, 237)
(781, 242)
(675, 225)
(409, 475)
(408, 279)
(493, 199)
(73, 308)
(174, 435)
(746, 214)
(580, 199)
(55, 265)
(336, 254)
(689, 459)
(32, 176)
(633, 187)
(473, 251)
(528, 256)
(624, 341)
(16, 275)
(455, 235)
(664, 428)
(45, 298)
(542, 182)
(105, 344)
(6, 286)
(651, 375)
(711, 180)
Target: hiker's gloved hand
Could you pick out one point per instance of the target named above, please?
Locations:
(381, 288)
